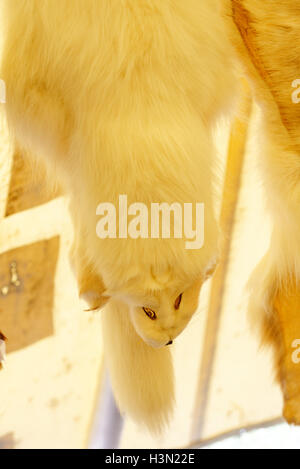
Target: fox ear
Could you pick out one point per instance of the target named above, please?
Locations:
(91, 287)
(94, 300)
(92, 290)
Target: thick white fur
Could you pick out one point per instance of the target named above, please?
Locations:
(119, 97)
(145, 394)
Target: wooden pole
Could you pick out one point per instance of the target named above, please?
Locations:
(235, 160)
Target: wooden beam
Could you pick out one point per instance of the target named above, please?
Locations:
(235, 160)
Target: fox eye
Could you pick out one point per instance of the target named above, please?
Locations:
(178, 301)
(150, 313)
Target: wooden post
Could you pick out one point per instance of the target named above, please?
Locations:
(235, 160)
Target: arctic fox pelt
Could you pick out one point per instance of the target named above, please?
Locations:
(120, 97)
(266, 37)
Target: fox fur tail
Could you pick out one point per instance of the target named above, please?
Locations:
(142, 377)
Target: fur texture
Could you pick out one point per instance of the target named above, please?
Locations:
(266, 36)
(149, 401)
(119, 97)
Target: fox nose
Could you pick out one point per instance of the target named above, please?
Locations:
(170, 342)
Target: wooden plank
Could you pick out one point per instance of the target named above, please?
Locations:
(26, 293)
(27, 186)
(231, 190)
(6, 153)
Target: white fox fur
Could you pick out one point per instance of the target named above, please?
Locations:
(269, 48)
(119, 97)
(272, 63)
(148, 399)
(266, 36)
